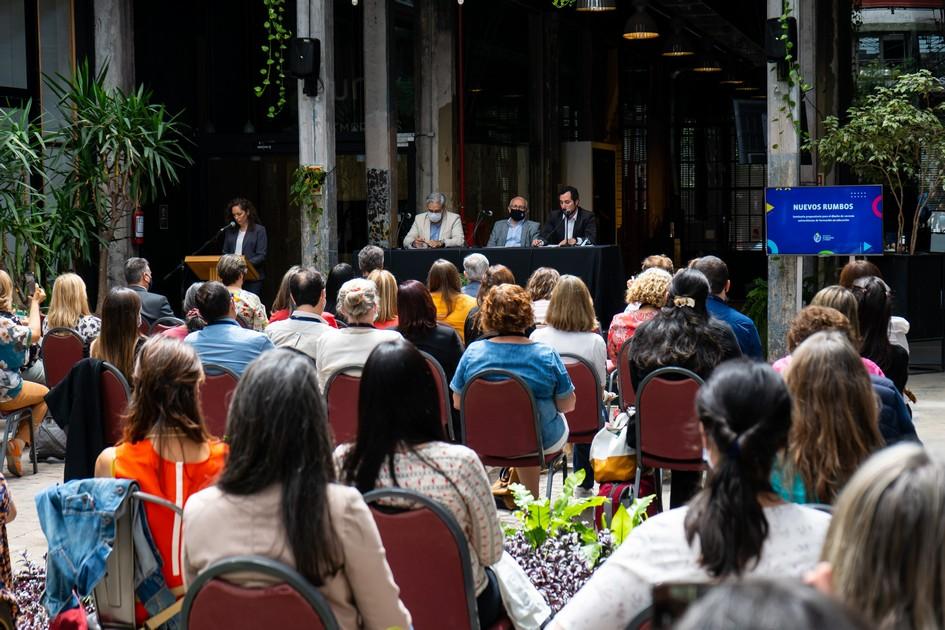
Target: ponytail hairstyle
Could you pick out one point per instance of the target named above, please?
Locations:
(745, 410)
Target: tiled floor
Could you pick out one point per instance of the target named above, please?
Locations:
(25, 532)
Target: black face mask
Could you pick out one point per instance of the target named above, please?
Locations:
(517, 215)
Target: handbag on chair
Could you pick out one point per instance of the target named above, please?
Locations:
(500, 489)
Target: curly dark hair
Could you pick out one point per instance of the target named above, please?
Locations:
(507, 309)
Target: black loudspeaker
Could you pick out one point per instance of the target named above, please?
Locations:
(304, 61)
(775, 48)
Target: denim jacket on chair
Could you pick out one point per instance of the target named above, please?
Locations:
(78, 520)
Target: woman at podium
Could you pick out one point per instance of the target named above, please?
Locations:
(247, 237)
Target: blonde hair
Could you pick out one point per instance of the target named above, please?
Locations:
(571, 308)
(650, 287)
(357, 298)
(387, 294)
(886, 538)
(542, 282)
(69, 302)
(836, 418)
(842, 299)
(657, 261)
(6, 292)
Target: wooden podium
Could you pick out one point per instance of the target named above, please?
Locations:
(205, 267)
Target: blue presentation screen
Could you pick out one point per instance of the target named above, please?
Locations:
(824, 220)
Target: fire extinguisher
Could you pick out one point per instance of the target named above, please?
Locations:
(137, 219)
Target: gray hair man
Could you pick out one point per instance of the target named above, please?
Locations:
(474, 268)
(435, 228)
(370, 257)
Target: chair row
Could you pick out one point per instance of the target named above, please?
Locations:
(426, 550)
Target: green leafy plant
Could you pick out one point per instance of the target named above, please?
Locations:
(306, 190)
(121, 150)
(273, 70)
(897, 137)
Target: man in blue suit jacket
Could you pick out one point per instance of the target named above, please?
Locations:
(224, 342)
(716, 271)
(517, 231)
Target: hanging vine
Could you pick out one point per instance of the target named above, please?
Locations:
(273, 70)
(793, 78)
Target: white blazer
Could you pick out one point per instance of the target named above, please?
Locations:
(451, 230)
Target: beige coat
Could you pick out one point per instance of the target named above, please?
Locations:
(451, 230)
(362, 594)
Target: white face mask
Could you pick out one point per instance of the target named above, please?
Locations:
(435, 217)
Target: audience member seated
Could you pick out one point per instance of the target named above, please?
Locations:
(658, 261)
(192, 319)
(418, 325)
(16, 392)
(682, 335)
(357, 301)
(735, 526)
(166, 447)
(452, 305)
(339, 274)
(843, 300)
(507, 314)
(570, 328)
(540, 285)
(138, 279)
(386, 298)
(222, 341)
(250, 312)
(494, 276)
(762, 604)
(370, 259)
(648, 292)
(895, 419)
(306, 325)
(435, 228)
(69, 308)
(120, 338)
(282, 306)
(716, 272)
(856, 269)
(474, 268)
(883, 553)
(836, 422)
(277, 498)
(875, 307)
(400, 444)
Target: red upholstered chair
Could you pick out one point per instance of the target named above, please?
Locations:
(292, 603)
(165, 323)
(585, 420)
(667, 427)
(144, 327)
(443, 393)
(341, 395)
(215, 396)
(429, 557)
(624, 384)
(114, 393)
(61, 349)
(499, 420)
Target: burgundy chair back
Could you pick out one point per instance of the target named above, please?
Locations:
(114, 393)
(61, 349)
(667, 426)
(215, 396)
(624, 384)
(341, 394)
(429, 557)
(443, 392)
(291, 604)
(585, 420)
(165, 323)
(144, 327)
(499, 420)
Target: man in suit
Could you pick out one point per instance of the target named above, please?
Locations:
(573, 225)
(517, 231)
(138, 279)
(436, 227)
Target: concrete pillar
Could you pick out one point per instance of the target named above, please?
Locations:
(436, 89)
(784, 283)
(315, 18)
(115, 46)
(380, 125)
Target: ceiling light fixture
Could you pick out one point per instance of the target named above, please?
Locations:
(678, 44)
(641, 24)
(596, 6)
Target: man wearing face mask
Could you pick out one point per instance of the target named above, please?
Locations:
(436, 227)
(573, 225)
(517, 231)
(138, 278)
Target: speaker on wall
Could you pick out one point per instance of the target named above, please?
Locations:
(305, 58)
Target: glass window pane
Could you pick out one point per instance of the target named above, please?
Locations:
(12, 44)
(55, 36)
